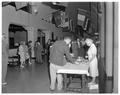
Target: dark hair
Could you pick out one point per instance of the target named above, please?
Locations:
(38, 39)
(30, 41)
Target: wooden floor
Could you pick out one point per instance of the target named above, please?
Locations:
(35, 79)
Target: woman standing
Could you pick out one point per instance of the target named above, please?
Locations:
(22, 54)
(48, 48)
(93, 62)
(30, 49)
(38, 52)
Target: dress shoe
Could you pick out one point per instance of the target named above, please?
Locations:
(52, 90)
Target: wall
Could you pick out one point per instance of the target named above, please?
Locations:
(115, 80)
(37, 22)
(9, 15)
(20, 36)
(47, 35)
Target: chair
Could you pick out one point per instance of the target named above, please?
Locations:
(13, 58)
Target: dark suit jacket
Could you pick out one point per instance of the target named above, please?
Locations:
(75, 49)
(58, 52)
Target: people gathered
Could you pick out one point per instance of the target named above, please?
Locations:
(58, 54)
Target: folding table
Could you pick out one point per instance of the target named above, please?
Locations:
(77, 69)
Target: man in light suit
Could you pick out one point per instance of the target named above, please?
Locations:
(59, 51)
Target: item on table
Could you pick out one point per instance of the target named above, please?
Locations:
(72, 54)
(78, 59)
(76, 62)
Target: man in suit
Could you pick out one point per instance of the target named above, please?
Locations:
(59, 53)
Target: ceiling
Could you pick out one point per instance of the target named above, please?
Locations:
(27, 6)
(56, 5)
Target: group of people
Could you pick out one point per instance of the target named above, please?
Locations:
(79, 48)
(60, 53)
(25, 53)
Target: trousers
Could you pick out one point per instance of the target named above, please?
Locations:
(54, 76)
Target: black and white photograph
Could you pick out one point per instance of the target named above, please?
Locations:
(65, 47)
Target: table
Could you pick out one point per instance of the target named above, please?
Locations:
(79, 69)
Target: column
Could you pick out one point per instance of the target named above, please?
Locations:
(115, 74)
(109, 38)
(30, 31)
(102, 31)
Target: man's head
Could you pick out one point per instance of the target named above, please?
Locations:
(78, 39)
(67, 40)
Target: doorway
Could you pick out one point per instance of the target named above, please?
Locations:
(17, 33)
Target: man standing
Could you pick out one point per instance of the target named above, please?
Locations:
(59, 51)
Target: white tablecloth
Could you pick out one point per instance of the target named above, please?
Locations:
(74, 69)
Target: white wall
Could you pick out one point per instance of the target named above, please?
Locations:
(9, 15)
(47, 35)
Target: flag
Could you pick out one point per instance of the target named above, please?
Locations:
(81, 17)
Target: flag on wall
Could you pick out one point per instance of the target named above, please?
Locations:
(56, 18)
(82, 18)
(60, 19)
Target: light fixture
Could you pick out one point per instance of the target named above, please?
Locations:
(55, 3)
(35, 7)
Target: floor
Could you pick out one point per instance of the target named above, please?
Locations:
(34, 79)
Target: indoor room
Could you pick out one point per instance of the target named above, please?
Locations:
(59, 47)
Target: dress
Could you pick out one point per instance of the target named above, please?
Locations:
(35, 49)
(39, 49)
(93, 66)
(30, 51)
(26, 52)
(22, 53)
